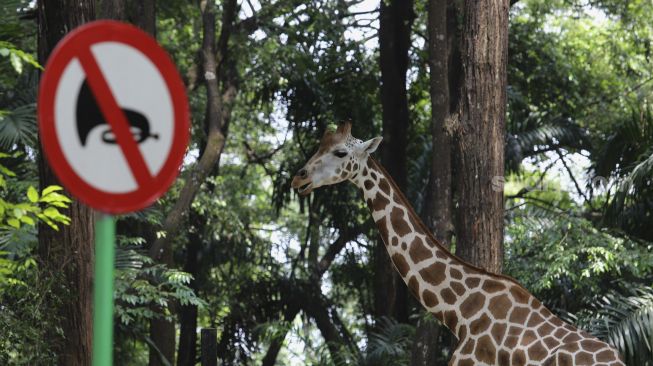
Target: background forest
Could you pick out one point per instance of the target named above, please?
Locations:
(291, 280)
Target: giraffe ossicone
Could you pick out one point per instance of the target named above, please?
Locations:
(496, 320)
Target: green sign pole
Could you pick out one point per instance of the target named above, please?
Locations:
(105, 237)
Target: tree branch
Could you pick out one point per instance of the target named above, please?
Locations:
(287, 298)
(573, 179)
(218, 115)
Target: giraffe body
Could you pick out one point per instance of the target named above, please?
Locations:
(496, 320)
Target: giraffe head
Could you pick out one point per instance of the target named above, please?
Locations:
(339, 157)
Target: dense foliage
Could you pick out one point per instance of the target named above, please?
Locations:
(270, 269)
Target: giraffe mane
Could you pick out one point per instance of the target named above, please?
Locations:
(429, 234)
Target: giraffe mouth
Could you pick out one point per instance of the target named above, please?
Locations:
(303, 186)
(305, 189)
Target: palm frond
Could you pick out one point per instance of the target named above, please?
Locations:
(391, 344)
(627, 144)
(625, 321)
(637, 183)
(18, 126)
(534, 137)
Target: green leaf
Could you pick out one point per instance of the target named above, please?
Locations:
(49, 189)
(32, 194)
(13, 222)
(16, 63)
(28, 220)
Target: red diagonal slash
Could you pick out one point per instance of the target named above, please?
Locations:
(115, 117)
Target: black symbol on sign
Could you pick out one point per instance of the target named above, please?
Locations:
(89, 117)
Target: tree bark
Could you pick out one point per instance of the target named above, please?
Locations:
(396, 19)
(141, 13)
(478, 132)
(187, 353)
(439, 204)
(66, 256)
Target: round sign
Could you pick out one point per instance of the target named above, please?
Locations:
(113, 116)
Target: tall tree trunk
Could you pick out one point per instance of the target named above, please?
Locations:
(479, 130)
(439, 205)
(396, 20)
(66, 255)
(187, 354)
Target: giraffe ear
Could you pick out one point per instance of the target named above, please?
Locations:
(370, 146)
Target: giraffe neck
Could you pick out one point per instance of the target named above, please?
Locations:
(496, 320)
(434, 275)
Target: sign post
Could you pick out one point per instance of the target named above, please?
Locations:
(114, 124)
(105, 235)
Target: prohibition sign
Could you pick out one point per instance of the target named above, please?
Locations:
(113, 116)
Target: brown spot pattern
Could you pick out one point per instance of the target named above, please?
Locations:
(518, 358)
(519, 315)
(433, 274)
(468, 347)
(472, 282)
(413, 285)
(551, 342)
(537, 352)
(520, 295)
(584, 358)
(384, 186)
(498, 332)
(451, 320)
(379, 202)
(398, 222)
(544, 329)
(401, 264)
(418, 251)
(534, 320)
(458, 288)
(604, 356)
(485, 350)
(472, 304)
(511, 341)
(492, 286)
(480, 325)
(430, 299)
(383, 229)
(504, 358)
(448, 296)
(528, 337)
(499, 306)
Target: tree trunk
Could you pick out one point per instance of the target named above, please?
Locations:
(187, 352)
(439, 205)
(478, 132)
(396, 19)
(141, 13)
(66, 255)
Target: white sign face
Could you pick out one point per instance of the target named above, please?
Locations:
(86, 137)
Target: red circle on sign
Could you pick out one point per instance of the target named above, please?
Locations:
(76, 45)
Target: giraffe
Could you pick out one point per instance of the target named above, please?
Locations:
(496, 320)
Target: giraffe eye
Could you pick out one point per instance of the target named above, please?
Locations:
(340, 153)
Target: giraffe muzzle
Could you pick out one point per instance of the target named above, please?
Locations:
(302, 184)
